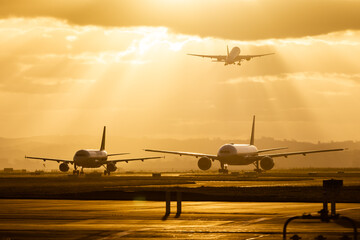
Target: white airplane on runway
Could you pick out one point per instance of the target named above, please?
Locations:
(232, 57)
(242, 154)
(92, 158)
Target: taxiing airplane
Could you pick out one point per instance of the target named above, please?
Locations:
(242, 154)
(232, 57)
(92, 158)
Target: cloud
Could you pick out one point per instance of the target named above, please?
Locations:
(140, 81)
(229, 19)
(349, 80)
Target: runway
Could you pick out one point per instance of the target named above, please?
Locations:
(79, 219)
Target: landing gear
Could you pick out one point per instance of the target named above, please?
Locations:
(224, 171)
(82, 171)
(257, 168)
(106, 172)
(75, 171)
(223, 168)
(239, 64)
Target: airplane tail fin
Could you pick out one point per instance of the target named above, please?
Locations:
(252, 132)
(102, 147)
(227, 47)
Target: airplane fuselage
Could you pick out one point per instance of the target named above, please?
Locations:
(89, 158)
(230, 59)
(237, 154)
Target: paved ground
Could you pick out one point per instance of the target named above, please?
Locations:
(75, 219)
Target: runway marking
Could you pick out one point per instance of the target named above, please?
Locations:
(261, 236)
(256, 220)
(116, 235)
(122, 234)
(345, 209)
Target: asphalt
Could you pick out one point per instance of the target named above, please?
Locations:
(105, 219)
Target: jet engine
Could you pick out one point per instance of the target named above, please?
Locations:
(111, 167)
(204, 163)
(64, 167)
(248, 59)
(267, 163)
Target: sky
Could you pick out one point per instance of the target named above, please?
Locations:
(71, 67)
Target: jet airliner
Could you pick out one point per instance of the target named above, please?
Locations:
(92, 158)
(232, 57)
(242, 154)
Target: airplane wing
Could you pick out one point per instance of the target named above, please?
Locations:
(219, 58)
(301, 152)
(248, 57)
(132, 159)
(117, 154)
(51, 159)
(271, 149)
(184, 153)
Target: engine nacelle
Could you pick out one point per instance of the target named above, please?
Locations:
(267, 163)
(204, 163)
(248, 59)
(64, 167)
(111, 167)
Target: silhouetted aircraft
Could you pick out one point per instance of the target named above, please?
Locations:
(242, 154)
(91, 158)
(232, 57)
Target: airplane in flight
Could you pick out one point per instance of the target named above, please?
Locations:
(232, 57)
(92, 158)
(242, 154)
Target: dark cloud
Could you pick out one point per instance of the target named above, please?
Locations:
(229, 19)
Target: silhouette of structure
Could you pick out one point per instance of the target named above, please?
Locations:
(332, 189)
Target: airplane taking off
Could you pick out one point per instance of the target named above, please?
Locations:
(232, 57)
(92, 158)
(242, 154)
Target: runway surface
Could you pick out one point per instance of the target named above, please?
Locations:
(78, 219)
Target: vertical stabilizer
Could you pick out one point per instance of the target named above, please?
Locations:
(252, 132)
(103, 140)
(227, 47)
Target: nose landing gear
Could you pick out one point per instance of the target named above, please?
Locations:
(224, 169)
(75, 171)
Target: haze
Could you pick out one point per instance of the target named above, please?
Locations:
(69, 68)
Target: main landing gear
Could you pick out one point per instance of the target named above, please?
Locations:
(257, 168)
(223, 168)
(106, 172)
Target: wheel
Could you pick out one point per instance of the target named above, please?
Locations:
(226, 171)
(105, 172)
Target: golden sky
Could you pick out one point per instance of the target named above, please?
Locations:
(71, 67)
